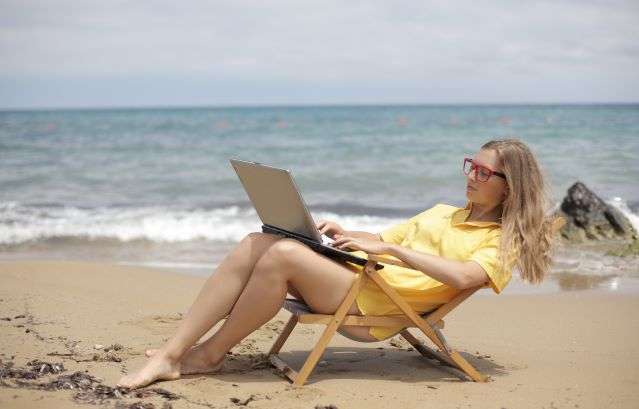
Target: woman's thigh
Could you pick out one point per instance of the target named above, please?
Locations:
(322, 282)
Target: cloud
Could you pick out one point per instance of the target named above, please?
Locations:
(367, 51)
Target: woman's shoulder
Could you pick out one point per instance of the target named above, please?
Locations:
(438, 211)
(443, 209)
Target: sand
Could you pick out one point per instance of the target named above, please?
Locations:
(573, 349)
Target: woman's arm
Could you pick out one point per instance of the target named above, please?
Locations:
(457, 274)
(363, 235)
(334, 230)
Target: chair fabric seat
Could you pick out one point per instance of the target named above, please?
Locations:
(298, 307)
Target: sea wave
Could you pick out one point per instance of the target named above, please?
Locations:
(31, 223)
(24, 223)
(621, 205)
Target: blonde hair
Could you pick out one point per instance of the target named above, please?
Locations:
(526, 228)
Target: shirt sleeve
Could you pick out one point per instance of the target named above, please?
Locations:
(397, 233)
(487, 256)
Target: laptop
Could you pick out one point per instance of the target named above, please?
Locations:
(282, 210)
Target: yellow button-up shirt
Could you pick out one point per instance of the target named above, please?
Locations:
(442, 231)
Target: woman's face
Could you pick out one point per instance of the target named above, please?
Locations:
(491, 192)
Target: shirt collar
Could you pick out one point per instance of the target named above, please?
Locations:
(460, 216)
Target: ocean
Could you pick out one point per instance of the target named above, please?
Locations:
(154, 187)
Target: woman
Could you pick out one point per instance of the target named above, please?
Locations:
(503, 225)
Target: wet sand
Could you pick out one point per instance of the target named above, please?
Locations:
(543, 349)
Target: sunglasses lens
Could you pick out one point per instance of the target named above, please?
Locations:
(482, 173)
(467, 166)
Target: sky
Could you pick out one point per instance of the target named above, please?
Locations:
(58, 54)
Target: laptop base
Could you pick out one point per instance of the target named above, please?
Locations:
(331, 252)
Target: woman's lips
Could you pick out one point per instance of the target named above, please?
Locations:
(468, 187)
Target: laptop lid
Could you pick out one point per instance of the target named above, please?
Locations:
(276, 198)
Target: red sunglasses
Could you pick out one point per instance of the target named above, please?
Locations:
(482, 173)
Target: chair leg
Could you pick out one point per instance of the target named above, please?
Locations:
(277, 362)
(452, 358)
(299, 378)
(329, 332)
(467, 367)
(426, 351)
(281, 339)
(315, 354)
(432, 333)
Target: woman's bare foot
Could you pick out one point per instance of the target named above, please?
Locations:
(156, 369)
(195, 361)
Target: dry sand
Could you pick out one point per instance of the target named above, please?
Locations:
(574, 349)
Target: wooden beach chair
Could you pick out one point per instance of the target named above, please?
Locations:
(430, 324)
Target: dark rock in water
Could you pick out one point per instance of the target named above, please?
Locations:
(590, 218)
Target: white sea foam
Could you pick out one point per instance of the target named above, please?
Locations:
(622, 206)
(20, 224)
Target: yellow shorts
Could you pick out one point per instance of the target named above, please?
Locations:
(422, 293)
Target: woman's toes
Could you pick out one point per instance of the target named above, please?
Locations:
(150, 352)
(157, 368)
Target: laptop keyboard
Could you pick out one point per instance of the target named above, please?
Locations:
(327, 240)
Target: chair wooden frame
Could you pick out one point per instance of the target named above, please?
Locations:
(430, 324)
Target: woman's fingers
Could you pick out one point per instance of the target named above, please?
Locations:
(340, 240)
(322, 226)
(343, 242)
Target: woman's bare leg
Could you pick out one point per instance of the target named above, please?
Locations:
(322, 282)
(215, 300)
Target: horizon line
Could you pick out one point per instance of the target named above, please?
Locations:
(306, 105)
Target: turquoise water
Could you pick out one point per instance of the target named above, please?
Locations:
(131, 181)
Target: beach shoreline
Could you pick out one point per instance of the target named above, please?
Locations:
(572, 349)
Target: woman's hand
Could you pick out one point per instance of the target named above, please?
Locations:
(330, 228)
(367, 246)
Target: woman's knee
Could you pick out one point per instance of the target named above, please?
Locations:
(279, 257)
(255, 244)
(259, 237)
(284, 251)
